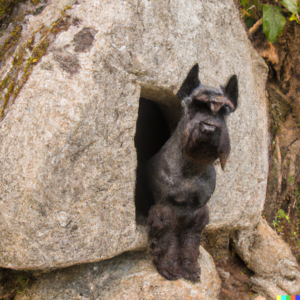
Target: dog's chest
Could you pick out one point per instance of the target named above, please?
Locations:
(177, 187)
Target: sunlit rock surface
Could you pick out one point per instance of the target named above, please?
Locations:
(268, 255)
(67, 152)
(129, 276)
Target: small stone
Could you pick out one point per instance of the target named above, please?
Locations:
(223, 274)
(63, 219)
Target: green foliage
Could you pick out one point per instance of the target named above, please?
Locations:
(291, 5)
(281, 219)
(250, 22)
(249, 4)
(244, 3)
(281, 214)
(296, 18)
(24, 282)
(273, 22)
(291, 179)
(22, 279)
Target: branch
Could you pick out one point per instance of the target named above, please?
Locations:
(255, 26)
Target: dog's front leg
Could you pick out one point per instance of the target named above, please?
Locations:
(189, 231)
(162, 222)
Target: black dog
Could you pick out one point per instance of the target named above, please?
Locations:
(180, 179)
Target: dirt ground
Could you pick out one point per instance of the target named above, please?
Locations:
(282, 206)
(13, 282)
(232, 270)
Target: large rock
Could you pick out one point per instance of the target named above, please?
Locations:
(270, 258)
(129, 276)
(67, 153)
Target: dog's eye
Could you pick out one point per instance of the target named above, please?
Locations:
(200, 105)
(225, 110)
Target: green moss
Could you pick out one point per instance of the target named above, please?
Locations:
(22, 66)
(18, 60)
(6, 98)
(6, 6)
(39, 51)
(35, 2)
(10, 42)
(4, 82)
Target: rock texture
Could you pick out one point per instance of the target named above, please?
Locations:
(269, 256)
(67, 154)
(129, 276)
(69, 93)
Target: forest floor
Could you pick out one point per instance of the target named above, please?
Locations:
(282, 206)
(13, 282)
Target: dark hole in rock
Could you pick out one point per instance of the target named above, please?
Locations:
(152, 130)
(158, 115)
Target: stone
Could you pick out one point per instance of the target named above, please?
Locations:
(270, 258)
(68, 159)
(267, 287)
(128, 276)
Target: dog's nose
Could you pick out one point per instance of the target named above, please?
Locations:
(216, 106)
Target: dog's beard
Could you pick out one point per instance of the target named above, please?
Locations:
(202, 146)
(224, 147)
(206, 147)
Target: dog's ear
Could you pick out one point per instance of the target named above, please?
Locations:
(190, 83)
(231, 91)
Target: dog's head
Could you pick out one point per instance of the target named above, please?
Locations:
(205, 134)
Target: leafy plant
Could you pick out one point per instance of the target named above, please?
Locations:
(272, 18)
(273, 22)
(281, 218)
(291, 5)
(281, 214)
(23, 281)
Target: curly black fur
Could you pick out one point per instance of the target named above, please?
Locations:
(180, 179)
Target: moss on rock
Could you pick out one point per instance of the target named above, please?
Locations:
(23, 63)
